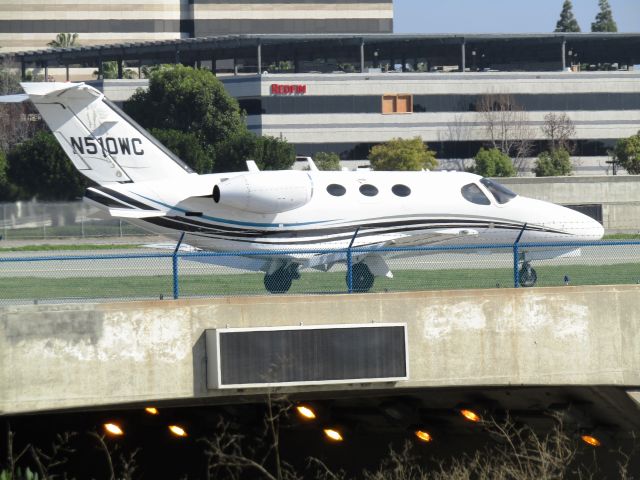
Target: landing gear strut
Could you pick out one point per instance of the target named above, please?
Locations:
(528, 276)
(280, 280)
(362, 278)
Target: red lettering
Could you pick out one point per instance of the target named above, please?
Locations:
(278, 89)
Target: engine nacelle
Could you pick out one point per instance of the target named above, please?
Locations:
(265, 192)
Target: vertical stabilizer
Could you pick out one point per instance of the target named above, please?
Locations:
(103, 143)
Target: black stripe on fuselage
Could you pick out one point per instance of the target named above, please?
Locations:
(102, 199)
(343, 233)
(124, 198)
(349, 229)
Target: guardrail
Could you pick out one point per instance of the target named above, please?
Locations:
(32, 278)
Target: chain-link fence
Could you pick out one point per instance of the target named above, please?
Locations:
(47, 220)
(31, 278)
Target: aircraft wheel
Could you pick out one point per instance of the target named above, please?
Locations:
(280, 280)
(362, 279)
(528, 275)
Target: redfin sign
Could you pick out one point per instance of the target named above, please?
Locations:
(279, 89)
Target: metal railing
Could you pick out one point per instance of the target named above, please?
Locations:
(141, 274)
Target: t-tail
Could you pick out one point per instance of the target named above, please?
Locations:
(103, 143)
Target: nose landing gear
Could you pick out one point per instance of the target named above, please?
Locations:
(528, 275)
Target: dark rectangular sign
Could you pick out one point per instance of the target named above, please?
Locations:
(306, 355)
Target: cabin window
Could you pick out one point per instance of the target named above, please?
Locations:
(336, 190)
(473, 193)
(368, 190)
(501, 193)
(401, 190)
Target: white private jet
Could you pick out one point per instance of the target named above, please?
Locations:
(294, 212)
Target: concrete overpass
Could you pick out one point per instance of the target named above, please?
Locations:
(532, 353)
(83, 356)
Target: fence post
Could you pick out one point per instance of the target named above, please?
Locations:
(174, 259)
(516, 258)
(5, 220)
(350, 262)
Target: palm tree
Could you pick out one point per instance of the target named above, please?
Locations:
(64, 40)
(110, 70)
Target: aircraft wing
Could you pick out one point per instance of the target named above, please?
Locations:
(431, 238)
(322, 261)
(251, 263)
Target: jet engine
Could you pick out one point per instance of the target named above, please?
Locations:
(265, 192)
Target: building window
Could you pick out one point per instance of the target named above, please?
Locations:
(368, 190)
(397, 103)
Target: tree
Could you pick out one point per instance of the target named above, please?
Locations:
(493, 163)
(187, 147)
(567, 21)
(234, 150)
(189, 100)
(271, 153)
(327, 161)
(402, 154)
(8, 191)
(18, 121)
(40, 168)
(110, 70)
(627, 153)
(64, 40)
(604, 19)
(553, 163)
(507, 125)
(9, 77)
(559, 129)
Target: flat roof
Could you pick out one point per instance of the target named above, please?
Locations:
(497, 48)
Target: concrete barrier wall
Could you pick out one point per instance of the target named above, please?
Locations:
(91, 355)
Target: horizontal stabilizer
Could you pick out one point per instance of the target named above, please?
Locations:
(131, 213)
(18, 98)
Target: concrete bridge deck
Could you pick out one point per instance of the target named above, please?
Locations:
(87, 356)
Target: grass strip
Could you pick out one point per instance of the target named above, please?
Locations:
(79, 247)
(34, 288)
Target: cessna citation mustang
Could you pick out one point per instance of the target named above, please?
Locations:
(294, 212)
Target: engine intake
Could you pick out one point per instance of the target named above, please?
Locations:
(265, 192)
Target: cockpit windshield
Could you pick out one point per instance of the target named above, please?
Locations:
(501, 193)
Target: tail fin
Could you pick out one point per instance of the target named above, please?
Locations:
(103, 143)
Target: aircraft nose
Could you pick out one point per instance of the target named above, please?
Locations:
(583, 228)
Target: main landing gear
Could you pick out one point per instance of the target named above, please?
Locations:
(362, 278)
(280, 280)
(527, 274)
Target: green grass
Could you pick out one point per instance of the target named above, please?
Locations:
(54, 248)
(622, 236)
(74, 230)
(14, 288)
